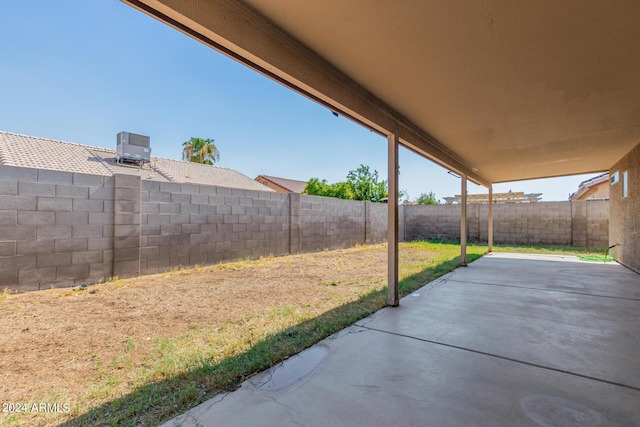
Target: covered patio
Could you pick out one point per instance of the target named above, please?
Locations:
(494, 91)
(517, 340)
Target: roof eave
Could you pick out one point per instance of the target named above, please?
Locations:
(239, 32)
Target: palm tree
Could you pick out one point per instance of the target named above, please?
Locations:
(199, 150)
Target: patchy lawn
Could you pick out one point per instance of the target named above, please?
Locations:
(139, 351)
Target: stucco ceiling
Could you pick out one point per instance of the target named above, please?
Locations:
(508, 89)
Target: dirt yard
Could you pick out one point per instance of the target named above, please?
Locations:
(55, 343)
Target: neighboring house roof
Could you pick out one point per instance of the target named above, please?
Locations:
(590, 185)
(186, 172)
(282, 185)
(42, 153)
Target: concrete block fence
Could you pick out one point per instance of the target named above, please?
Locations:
(581, 223)
(62, 228)
(56, 228)
(186, 224)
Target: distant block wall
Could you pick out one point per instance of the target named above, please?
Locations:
(535, 223)
(424, 222)
(578, 223)
(590, 223)
(60, 228)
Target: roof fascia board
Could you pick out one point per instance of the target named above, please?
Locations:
(553, 176)
(239, 32)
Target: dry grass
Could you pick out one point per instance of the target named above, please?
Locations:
(138, 351)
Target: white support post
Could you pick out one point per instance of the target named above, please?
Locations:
(490, 219)
(392, 238)
(463, 220)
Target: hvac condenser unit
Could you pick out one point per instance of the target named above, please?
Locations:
(133, 148)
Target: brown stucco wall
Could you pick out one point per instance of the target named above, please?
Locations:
(625, 212)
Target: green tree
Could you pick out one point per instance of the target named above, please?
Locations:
(365, 185)
(361, 184)
(316, 187)
(427, 199)
(199, 150)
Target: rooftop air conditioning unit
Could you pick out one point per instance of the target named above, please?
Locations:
(133, 148)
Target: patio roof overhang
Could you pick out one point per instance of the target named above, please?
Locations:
(496, 90)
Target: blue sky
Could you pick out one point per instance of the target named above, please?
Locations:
(82, 71)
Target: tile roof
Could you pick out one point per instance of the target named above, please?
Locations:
(291, 185)
(42, 153)
(186, 172)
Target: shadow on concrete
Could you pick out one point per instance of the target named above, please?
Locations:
(158, 402)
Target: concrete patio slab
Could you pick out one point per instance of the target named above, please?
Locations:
(513, 340)
(524, 271)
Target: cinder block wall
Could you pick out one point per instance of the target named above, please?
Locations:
(377, 225)
(331, 223)
(581, 223)
(126, 225)
(56, 228)
(187, 224)
(424, 222)
(62, 228)
(590, 223)
(531, 223)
